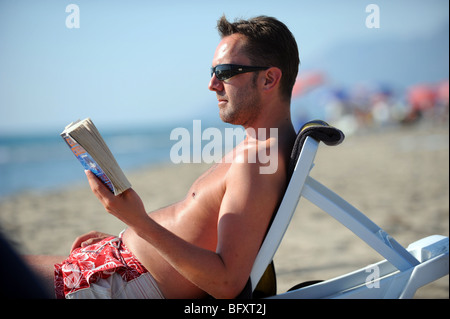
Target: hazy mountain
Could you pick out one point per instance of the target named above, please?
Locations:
(397, 61)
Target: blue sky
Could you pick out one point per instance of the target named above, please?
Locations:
(147, 62)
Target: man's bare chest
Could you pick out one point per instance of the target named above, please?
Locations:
(210, 186)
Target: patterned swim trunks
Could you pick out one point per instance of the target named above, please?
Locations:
(106, 269)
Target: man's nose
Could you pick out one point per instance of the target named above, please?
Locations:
(215, 84)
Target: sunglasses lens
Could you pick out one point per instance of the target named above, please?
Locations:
(226, 71)
(223, 72)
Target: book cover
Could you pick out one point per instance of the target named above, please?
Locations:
(87, 161)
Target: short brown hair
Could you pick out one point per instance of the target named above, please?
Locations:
(269, 43)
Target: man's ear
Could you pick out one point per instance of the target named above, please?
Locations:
(272, 78)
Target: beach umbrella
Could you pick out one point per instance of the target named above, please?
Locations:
(307, 81)
(421, 96)
(442, 92)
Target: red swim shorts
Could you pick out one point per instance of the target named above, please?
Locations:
(85, 266)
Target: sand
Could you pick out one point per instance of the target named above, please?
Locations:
(399, 177)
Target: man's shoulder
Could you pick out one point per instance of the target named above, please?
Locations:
(258, 163)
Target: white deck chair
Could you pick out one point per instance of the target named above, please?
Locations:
(399, 275)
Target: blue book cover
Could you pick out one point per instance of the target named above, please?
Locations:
(87, 161)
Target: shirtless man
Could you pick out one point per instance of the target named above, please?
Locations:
(206, 243)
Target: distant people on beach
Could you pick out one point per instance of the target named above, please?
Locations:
(374, 106)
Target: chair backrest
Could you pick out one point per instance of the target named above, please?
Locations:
(302, 158)
(285, 212)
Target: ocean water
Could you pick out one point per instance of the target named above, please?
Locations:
(45, 162)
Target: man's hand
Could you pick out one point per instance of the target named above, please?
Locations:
(88, 239)
(127, 207)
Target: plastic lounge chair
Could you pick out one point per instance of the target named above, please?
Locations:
(398, 276)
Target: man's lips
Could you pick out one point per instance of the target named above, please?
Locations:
(222, 102)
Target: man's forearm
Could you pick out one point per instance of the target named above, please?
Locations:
(204, 268)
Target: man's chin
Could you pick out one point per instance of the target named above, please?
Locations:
(228, 120)
(225, 117)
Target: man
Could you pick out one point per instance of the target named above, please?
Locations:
(206, 243)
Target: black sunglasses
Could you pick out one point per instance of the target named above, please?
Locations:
(226, 71)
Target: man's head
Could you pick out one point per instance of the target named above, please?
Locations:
(242, 92)
(267, 42)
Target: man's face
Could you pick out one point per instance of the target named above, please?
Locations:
(238, 97)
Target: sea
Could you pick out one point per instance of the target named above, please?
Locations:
(43, 161)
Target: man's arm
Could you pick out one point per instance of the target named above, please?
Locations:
(249, 201)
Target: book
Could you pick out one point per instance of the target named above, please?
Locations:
(88, 146)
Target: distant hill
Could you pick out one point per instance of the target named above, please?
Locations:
(397, 61)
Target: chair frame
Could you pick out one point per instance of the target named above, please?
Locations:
(398, 276)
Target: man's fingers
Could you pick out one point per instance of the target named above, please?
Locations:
(100, 190)
(88, 239)
(91, 241)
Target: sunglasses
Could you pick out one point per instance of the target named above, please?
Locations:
(225, 71)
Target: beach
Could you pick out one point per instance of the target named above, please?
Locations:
(397, 176)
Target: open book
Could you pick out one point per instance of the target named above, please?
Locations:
(91, 150)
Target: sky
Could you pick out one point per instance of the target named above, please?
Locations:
(134, 63)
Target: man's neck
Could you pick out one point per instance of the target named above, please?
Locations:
(278, 117)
